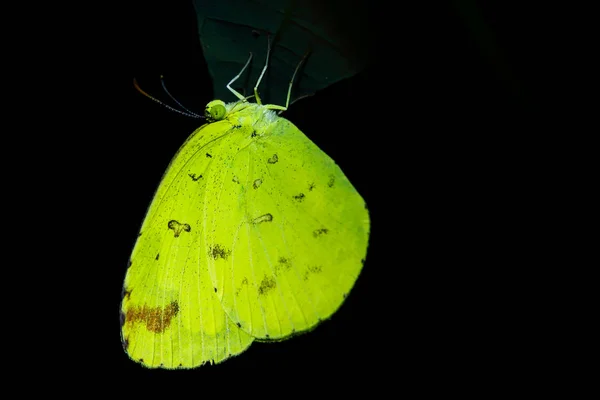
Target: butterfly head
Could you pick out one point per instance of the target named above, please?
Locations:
(215, 111)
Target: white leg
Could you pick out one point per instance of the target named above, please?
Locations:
(238, 95)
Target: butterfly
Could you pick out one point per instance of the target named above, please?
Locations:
(254, 233)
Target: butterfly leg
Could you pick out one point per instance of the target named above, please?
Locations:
(258, 101)
(287, 101)
(235, 78)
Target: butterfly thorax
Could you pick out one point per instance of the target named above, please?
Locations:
(241, 113)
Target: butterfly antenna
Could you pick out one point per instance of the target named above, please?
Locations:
(187, 114)
(162, 81)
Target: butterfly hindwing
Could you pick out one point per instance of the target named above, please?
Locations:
(285, 249)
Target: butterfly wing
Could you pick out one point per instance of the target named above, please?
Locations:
(287, 233)
(171, 317)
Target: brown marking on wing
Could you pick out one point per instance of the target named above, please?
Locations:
(156, 319)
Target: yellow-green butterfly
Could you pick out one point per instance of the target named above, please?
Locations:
(254, 233)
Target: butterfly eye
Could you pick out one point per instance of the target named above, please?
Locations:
(215, 111)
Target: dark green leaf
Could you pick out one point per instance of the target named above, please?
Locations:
(329, 31)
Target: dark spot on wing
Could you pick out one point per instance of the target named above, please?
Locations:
(266, 284)
(178, 227)
(157, 255)
(139, 234)
(273, 159)
(331, 181)
(285, 261)
(239, 325)
(283, 264)
(311, 186)
(237, 126)
(345, 295)
(208, 155)
(253, 134)
(121, 318)
(314, 269)
(362, 261)
(244, 282)
(257, 183)
(129, 263)
(194, 177)
(156, 319)
(263, 218)
(299, 197)
(125, 293)
(266, 336)
(215, 290)
(319, 232)
(217, 251)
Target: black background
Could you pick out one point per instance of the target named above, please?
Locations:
(412, 132)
